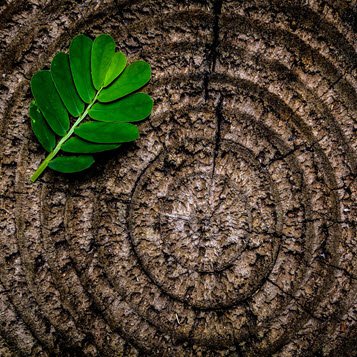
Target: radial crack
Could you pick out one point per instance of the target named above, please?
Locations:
(213, 47)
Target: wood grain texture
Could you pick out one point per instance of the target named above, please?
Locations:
(228, 228)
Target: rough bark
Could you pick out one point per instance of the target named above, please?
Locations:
(228, 229)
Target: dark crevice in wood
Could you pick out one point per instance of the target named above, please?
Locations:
(213, 47)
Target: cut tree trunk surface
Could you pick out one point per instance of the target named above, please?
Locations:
(228, 228)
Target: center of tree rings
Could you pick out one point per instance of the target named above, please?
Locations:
(197, 222)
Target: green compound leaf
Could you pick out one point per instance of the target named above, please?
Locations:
(108, 133)
(132, 108)
(49, 102)
(92, 72)
(78, 146)
(135, 76)
(42, 131)
(80, 61)
(62, 78)
(70, 164)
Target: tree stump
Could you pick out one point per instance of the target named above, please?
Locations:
(228, 228)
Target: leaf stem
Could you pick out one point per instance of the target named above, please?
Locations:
(54, 152)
